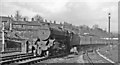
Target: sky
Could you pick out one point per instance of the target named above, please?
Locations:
(76, 12)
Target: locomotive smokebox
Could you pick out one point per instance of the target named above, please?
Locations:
(43, 33)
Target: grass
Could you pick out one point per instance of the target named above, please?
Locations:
(110, 52)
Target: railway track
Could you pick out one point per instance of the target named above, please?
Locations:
(88, 58)
(39, 59)
(15, 58)
(26, 59)
(94, 57)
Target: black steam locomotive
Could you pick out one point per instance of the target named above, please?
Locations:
(64, 40)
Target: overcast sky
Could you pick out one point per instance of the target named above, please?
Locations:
(77, 12)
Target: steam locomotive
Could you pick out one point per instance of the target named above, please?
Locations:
(63, 41)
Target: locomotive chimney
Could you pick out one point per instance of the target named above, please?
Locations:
(45, 20)
(50, 21)
(60, 23)
(24, 19)
(32, 19)
(54, 22)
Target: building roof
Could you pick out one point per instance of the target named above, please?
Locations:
(4, 18)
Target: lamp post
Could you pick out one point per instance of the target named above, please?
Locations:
(110, 46)
(3, 34)
(109, 17)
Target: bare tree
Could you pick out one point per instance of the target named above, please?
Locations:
(38, 18)
(18, 16)
(85, 27)
(95, 26)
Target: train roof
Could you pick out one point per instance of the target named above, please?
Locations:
(94, 32)
(88, 34)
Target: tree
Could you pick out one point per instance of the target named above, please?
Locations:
(65, 23)
(85, 27)
(17, 16)
(38, 18)
(95, 26)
